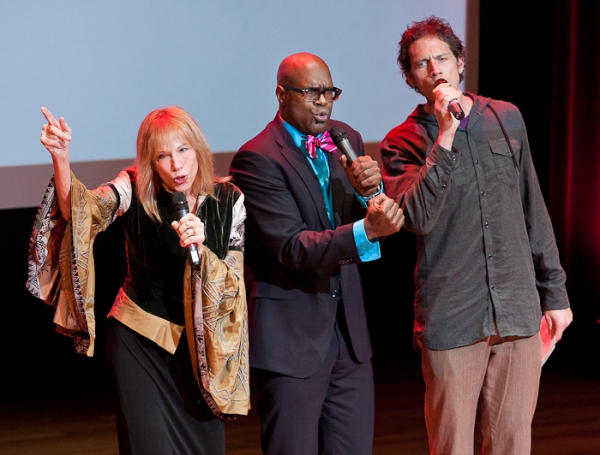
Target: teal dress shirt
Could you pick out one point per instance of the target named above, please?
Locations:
(367, 250)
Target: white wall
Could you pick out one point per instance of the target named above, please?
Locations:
(105, 65)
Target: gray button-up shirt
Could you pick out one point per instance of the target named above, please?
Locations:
(486, 248)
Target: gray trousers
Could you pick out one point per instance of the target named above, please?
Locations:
(502, 374)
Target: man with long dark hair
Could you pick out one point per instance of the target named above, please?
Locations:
(460, 167)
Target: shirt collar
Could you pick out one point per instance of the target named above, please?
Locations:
(298, 138)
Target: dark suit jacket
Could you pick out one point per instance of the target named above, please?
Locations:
(299, 262)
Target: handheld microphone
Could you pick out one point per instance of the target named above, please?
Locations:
(340, 139)
(179, 208)
(453, 105)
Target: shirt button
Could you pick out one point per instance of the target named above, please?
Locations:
(489, 256)
(443, 187)
(334, 293)
(483, 193)
(487, 225)
(453, 157)
(476, 161)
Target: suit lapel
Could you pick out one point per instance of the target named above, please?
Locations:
(294, 156)
(338, 190)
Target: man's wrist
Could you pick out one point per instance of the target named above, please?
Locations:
(376, 193)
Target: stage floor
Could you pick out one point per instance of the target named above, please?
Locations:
(567, 421)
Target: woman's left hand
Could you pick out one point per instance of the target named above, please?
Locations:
(190, 230)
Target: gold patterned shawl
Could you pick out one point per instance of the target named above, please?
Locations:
(61, 272)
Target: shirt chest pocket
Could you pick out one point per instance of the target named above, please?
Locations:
(504, 161)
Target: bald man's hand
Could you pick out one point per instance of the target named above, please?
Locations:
(384, 217)
(363, 174)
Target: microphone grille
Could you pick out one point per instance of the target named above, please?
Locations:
(337, 134)
(178, 201)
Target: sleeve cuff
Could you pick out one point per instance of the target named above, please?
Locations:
(367, 250)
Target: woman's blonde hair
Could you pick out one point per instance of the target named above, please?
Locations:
(154, 130)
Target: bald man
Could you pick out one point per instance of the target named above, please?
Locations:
(311, 218)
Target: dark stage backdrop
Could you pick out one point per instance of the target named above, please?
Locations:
(37, 362)
(546, 61)
(574, 193)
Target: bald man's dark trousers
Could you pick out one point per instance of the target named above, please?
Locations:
(330, 412)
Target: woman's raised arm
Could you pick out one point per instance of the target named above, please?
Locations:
(56, 137)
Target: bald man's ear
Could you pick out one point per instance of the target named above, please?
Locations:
(280, 93)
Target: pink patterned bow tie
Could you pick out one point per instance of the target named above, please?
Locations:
(324, 143)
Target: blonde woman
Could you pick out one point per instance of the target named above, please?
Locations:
(178, 331)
